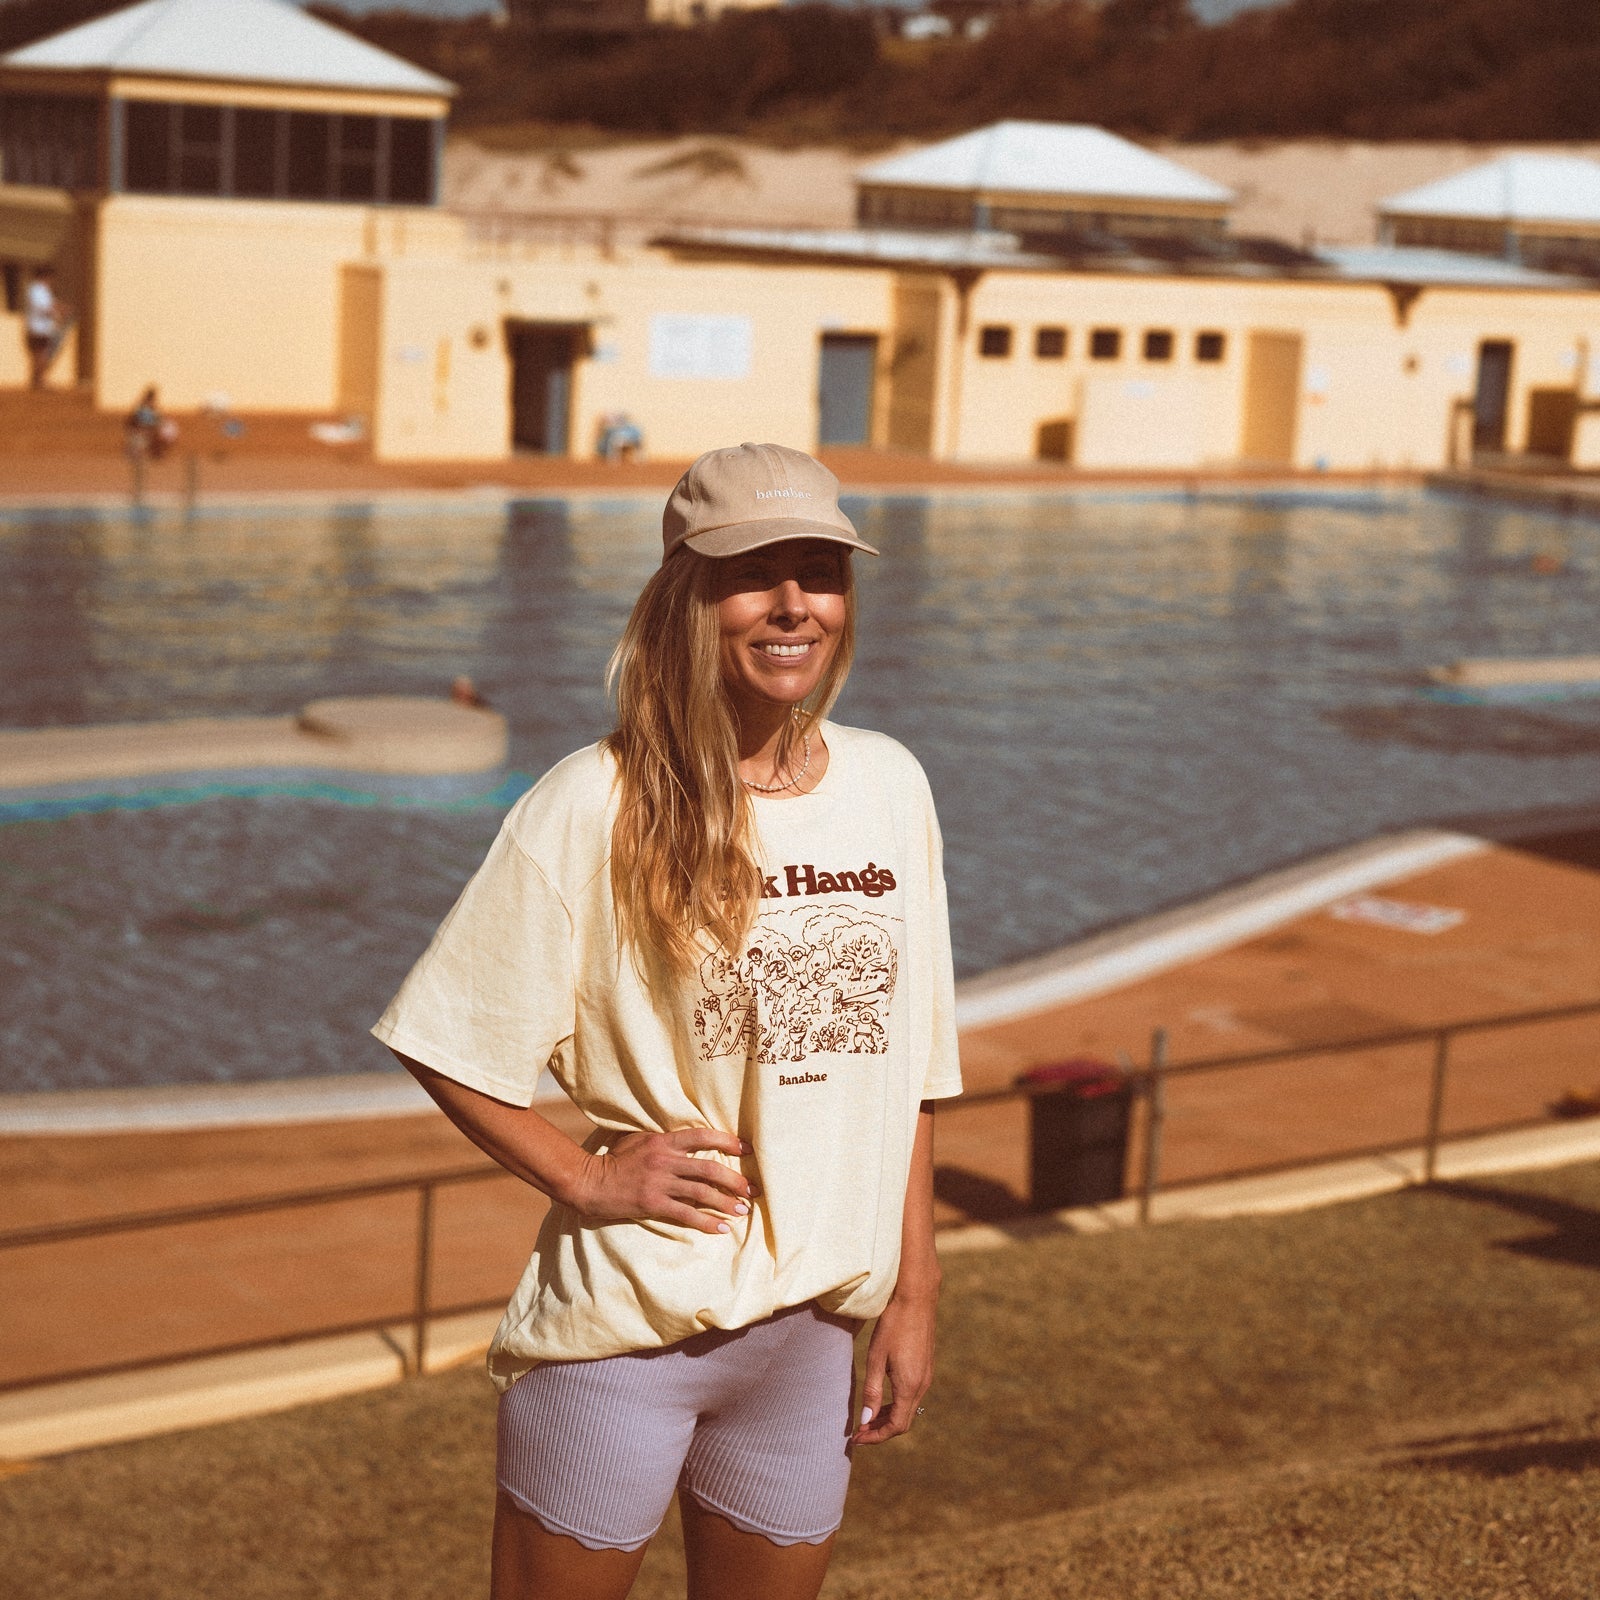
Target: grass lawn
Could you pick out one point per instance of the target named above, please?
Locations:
(1399, 1397)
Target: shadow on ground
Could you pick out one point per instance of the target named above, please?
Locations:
(1508, 1460)
(1575, 1230)
(979, 1198)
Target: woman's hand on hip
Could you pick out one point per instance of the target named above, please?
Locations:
(657, 1177)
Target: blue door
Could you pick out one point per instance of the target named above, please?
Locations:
(845, 378)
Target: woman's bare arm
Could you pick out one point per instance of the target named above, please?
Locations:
(642, 1175)
(901, 1348)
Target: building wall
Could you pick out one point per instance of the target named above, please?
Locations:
(1374, 392)
(444, 366)
(235, 297)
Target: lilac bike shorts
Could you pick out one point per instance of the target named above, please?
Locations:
(754, 1423)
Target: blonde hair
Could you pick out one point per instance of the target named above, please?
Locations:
(682, 860)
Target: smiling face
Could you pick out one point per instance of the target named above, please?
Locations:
(781, 612)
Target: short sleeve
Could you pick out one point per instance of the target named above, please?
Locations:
(942, 1079)
(491, 1000)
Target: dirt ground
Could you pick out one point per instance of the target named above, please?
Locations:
(1388, 1400)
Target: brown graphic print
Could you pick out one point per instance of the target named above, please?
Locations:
(811, 981)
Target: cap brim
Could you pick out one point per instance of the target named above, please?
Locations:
(738, 537)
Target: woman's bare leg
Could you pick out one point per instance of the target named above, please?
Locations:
(531, 1563)
(726, 1563)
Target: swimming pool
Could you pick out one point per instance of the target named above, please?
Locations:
(1122, 701)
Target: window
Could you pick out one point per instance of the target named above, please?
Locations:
(199, 150)
(50, 139)
(1050, 344)
(995, 340)
(258, 154)
(1105, 344)
(1210, 346)
(358, 158)
(310, 149)
(147, 146)
(256, 144)
(411, 161)
(1157, 344)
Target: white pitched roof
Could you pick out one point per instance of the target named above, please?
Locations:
(1518, 188)
(1065, 158)
(254, 41)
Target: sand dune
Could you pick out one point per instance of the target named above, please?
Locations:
(1326, 192)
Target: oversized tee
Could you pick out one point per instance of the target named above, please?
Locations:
(815, 1045)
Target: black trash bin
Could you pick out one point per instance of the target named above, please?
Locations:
(1078, 1121)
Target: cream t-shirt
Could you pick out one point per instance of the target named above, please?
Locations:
(815, 1046)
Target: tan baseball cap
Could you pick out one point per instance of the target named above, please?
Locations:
(749, 495)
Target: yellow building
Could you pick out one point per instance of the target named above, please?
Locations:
(196, 171)
(248, 209)
(1227, 354)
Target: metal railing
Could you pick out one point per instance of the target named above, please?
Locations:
(1149, 1083)
(415, 1315)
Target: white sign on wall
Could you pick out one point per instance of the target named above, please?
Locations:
(685, 345)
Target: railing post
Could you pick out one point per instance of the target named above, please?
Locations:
(1441, 1068)
(419, 1331)
(1155, 1091)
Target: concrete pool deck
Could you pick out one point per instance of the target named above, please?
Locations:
(1424, 928)
(55, 449)
(102, 479)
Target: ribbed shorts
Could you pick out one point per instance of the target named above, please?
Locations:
(754, 1423)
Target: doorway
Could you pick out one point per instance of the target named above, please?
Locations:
(1552, 422)
(1491, 397)
(542, 356)
(1271, 399)
(846, 375)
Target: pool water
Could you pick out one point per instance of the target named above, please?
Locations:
(1121, 701)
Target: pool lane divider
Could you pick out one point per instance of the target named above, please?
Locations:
(372, 750)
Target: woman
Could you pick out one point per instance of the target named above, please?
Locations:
(723, 929)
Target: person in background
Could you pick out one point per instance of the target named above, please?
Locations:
(44, 324)
(466, 693)
(723, 929)
(148, 433)
(619, 437)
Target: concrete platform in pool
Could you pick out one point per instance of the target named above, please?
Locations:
(387, 735)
